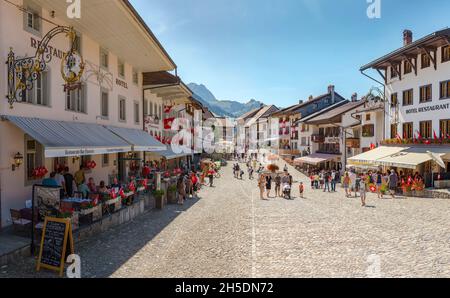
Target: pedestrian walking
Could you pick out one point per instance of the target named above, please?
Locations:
(181, 186)
(301, 189)
(379, 183)
(268, 185)
(333, 181)
(356, 187)
(393, 182)
(363, 189)
(211, 177)
(326, 180)
(346, 181)
(278, 185)
(261, 185)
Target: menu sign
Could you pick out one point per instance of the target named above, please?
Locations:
(56, 236)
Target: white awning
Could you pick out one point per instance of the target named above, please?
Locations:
(369, 158)
(169, 154)
(315, 159)
(139, 139)
(65, 139)
(410, 158)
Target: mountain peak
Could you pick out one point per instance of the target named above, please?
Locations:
(224, 108)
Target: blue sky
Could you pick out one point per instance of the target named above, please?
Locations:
(281, 51)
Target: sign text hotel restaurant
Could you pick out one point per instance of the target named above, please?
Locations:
(428, 109)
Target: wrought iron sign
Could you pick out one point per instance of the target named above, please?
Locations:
(23, 72)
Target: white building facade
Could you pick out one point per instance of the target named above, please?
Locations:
(117, 47)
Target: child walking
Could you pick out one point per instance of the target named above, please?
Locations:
(301, 189)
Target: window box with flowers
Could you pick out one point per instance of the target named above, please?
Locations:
(39, 173)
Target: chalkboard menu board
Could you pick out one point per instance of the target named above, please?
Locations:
(56, 235)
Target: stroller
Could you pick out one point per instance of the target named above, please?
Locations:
(287, 192)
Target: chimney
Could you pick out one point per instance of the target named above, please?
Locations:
(300, 102)
(310, 98)
(354, 97)
(407, 37)
(331, 91)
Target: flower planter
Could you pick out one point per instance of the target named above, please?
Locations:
(407, 193)
(172, 197)
(419, 193)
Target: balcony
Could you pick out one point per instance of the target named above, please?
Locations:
(353, 143)
(317, 138)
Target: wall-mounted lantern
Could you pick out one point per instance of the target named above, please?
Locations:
(18, 161)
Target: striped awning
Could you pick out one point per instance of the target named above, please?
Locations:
(63, 138)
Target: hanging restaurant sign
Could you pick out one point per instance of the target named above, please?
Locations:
(23, 72)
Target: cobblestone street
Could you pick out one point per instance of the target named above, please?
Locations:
(230, 232)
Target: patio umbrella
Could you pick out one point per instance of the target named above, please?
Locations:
(272, 157)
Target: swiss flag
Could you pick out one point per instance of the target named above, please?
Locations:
(168, 123)
(419, 135)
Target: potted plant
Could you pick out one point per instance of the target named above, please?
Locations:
(159, 195)
(172, 194)
(418, 187)
(407, 189)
